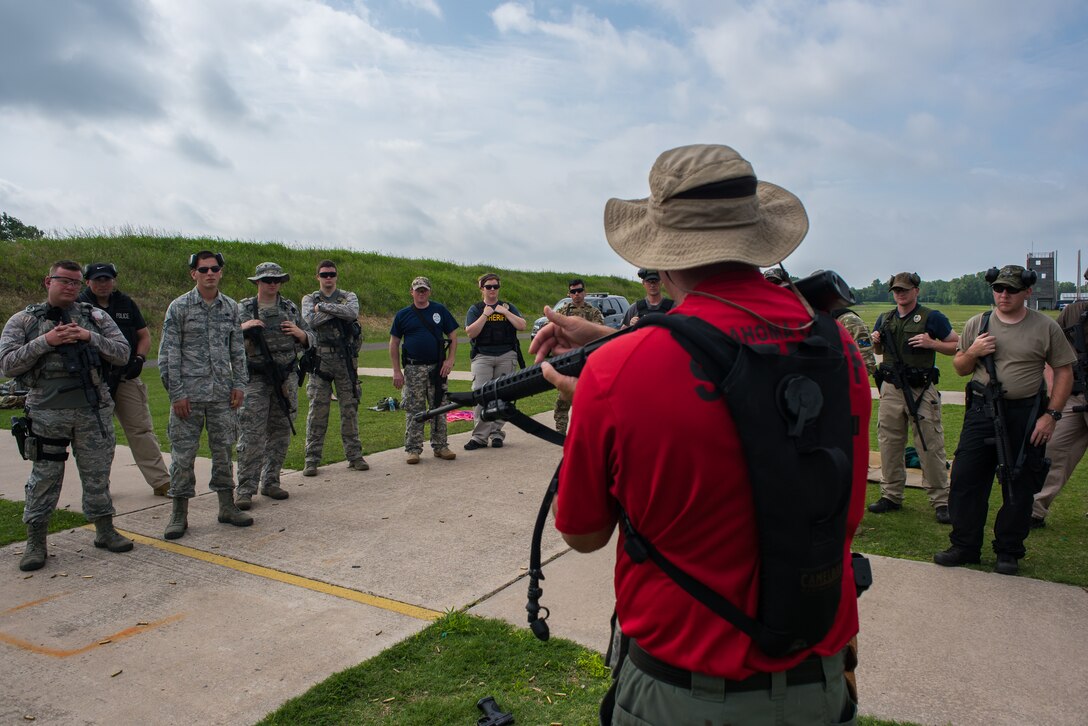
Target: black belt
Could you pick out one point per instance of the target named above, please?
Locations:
(810, 670)
(414, 362)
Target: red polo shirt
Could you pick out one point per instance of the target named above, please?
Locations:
(642, 435)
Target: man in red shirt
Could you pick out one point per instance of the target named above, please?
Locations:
(708, 226)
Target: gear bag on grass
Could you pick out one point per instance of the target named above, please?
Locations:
(796, 430)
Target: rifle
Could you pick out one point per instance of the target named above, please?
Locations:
(993, 396)
(80, 359)
(274, 372)
(823, 289)
(896, 373)
(349, 332)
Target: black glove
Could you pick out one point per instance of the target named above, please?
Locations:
(132, 370)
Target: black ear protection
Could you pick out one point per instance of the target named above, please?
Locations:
(109, 267)
(912, 276)
(218, 259)
(1027, 277)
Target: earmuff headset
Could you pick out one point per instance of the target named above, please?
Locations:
(1027, 277)
(912, 276)
(193, 258)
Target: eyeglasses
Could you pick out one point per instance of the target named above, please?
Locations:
(577, 291)
(491, 287)
(326, 275)
(206, 270)
(66, 281)
(273, 280)
(999, 289)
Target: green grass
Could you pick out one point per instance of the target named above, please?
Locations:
(437, 676)
(12, 528)
(154, 271)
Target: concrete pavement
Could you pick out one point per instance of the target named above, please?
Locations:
(225, 624)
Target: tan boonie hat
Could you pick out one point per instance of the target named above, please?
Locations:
(1013, 276)
(269, 269)
(705, 206)
(904, 279)
(420, 282)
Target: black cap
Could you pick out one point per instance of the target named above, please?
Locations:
(99, 269)
(649, 274)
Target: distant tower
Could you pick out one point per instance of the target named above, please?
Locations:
(1045, 293)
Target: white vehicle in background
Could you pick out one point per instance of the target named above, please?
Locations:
(612, 307)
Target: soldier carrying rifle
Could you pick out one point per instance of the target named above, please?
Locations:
(274, 336)
(1009, 419)
(56, 348)
(909, 337)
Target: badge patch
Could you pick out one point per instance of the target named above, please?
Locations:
(917, 318)
(436, 318)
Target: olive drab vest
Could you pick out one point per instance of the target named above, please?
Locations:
(49, 373)
(329, 332)
(896, 331)
(280, 344)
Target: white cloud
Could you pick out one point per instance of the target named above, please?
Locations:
(944, 131)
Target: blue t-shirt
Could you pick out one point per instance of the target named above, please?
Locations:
(417, 339)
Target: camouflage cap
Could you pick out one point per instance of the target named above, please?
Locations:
(1011, 275)
(776, 275)
(420, 282)
(904, 279)
(269, 269)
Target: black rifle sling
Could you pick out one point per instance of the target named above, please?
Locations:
(990, 363)
(439, 339)
(806, 438)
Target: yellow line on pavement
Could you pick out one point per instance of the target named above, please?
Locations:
(395, 606)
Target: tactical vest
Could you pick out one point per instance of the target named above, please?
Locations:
(50, 373)
(280, 344)
(642, 307)
(495, 334)
(329, 333)
(896, 331)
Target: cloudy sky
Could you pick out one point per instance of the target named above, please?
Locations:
(942, 136)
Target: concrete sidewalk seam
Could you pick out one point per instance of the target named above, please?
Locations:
(402, 608)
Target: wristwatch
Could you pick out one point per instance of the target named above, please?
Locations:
(1056, 415)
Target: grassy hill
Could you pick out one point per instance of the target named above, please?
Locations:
(153, 270)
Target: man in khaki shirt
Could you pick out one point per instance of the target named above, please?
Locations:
(1022, 342)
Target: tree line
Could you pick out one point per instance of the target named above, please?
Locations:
(965, 290)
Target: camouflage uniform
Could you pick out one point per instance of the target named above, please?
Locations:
(593, 315)
(201, 358)
(265, 429)
(60, 414)
(417, 396)
(321, 313)
(859, 331)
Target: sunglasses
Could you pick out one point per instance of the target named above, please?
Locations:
(66, 281)
(1005, 288)
(491, 287)
(901, 290)
(206, 270)
(578, 291)
(273, 280)
(326, 275)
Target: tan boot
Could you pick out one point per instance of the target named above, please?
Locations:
(413, 458)
(229, 513)
(161, 489)
(35, 553)
(445, 454)
(359, 465)
(108, 537)
(310, 470)
(179, 519)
